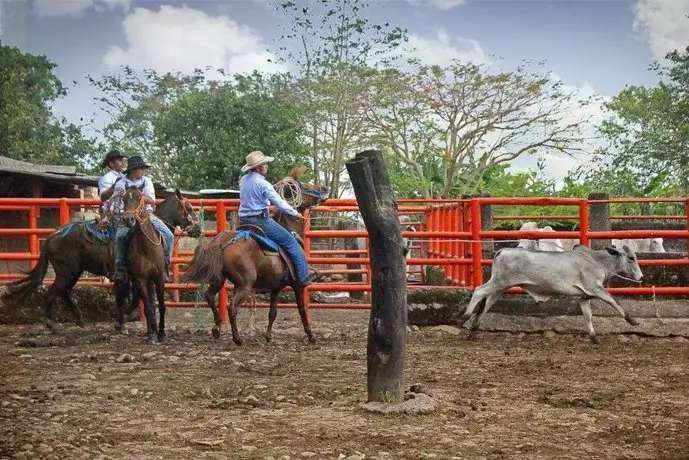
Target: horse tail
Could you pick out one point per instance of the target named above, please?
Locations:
(206, 266)
(33, 279)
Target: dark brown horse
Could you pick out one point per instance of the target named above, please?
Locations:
(245, 264)
(145, 265)
(72, 249)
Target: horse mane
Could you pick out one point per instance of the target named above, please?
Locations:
(297, 171)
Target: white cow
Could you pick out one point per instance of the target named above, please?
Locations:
(545, 244)
(641, 244)
(577, 273)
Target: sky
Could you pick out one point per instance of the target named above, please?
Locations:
(596, 47)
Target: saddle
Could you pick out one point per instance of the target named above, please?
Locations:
(269, 247)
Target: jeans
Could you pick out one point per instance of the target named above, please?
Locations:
(166, 234)
(284, 239)
(123, 236)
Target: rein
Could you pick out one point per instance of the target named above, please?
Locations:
(141, 209)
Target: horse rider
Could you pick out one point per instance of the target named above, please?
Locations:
(135, 176)
(256, 195)
(115, 161)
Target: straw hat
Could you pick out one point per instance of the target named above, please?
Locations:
(256, 159)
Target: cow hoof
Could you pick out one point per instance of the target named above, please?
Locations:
(633, 321)
(216, 332)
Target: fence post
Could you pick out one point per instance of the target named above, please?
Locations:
(599, 219)
(64, 212)
(476, 247)
(307, 254)
(221, 226)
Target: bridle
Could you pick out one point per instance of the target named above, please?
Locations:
(137, 216)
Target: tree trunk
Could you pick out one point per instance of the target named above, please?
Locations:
(387, 327)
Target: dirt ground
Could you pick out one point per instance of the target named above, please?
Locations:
(65, 395)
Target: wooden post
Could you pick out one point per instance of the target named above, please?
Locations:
(599, 219)
(387, 327)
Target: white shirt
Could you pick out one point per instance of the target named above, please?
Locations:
(125, 182)
(107, 180)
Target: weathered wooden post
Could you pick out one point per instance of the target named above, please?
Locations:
(387, 327)
(599, 219)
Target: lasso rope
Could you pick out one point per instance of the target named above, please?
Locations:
(291, 184)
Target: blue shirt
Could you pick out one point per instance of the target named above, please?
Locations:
(256, 195)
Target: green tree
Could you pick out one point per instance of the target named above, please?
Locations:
(648, 130)
(466, 120)
(207, 133)
(29, 130)
(328, 41)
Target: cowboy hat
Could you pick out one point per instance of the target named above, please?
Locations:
(136, 162)
(256, 159)
(112, 154)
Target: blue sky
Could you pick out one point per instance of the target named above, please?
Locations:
(595, 46)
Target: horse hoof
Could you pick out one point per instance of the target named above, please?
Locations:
(312, 339)
(81, 324)
(633, 321)
(268, 338)
(150, 341)
(161, 338)
(595, 340)
(216, 332)
(237, 341)
(50, 326)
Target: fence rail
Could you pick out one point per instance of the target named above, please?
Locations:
(454, 235)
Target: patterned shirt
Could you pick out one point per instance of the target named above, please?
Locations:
(256, 195)
(116, 205)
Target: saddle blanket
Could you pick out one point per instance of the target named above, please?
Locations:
(263, 241)
(104, 235)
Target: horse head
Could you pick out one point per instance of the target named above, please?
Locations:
(301, 196)
(134, 207)
(176, 211)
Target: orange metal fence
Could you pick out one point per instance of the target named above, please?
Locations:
(449, 236)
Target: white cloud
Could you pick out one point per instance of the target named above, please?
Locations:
(442, 49)
(184, 39)
(66, 8)
(664, 23)
(440, 4)
(446, 4)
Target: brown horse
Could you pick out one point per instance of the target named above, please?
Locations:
(72, 250)
(145, 265)
(245, 264)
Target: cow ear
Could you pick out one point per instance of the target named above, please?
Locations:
(613, 251)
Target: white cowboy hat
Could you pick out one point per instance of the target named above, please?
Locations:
(256, 159)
